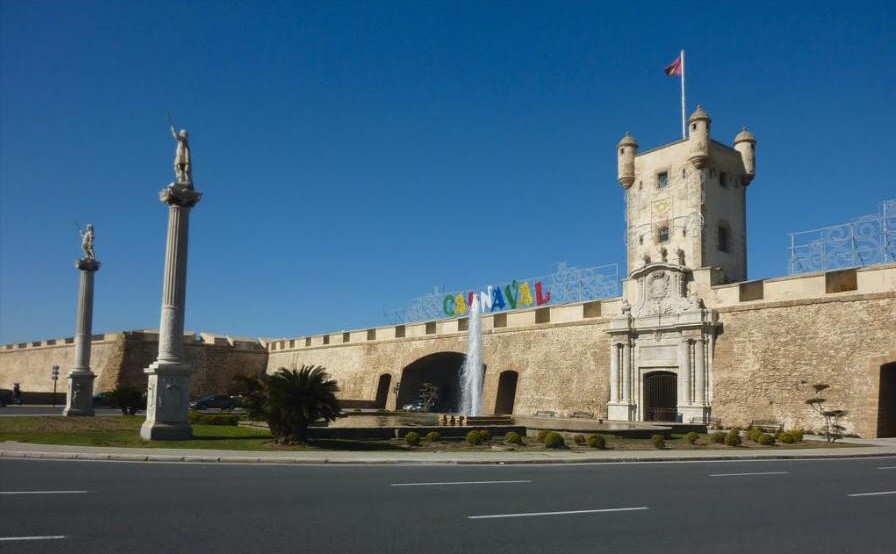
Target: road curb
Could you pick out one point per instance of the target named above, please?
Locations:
(173, 458)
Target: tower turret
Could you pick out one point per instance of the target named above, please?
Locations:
(627, 148)
(745, 143)
(699, 137)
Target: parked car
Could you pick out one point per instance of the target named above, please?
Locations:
(414, 407)
(5, 397)
(220, 401)
(135, 399)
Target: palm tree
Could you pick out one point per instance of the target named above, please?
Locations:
(290, 400)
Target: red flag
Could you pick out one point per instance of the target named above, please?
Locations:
(674, 68)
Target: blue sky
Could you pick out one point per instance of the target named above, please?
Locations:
(356, 155)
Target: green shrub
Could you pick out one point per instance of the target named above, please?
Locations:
(513, 438)
(579, 440)
(691, 437)
(754, 434)
(597, 441)
(433, 436)
(542, 435)
(658, 441)
(718, 437)
(733, 438)
(485, 435)
(790, 437)
(474, 438)
(412, 438)
(213, 419)
(554, 440)
(766, 439)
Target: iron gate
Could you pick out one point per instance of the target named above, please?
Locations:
(660, 396)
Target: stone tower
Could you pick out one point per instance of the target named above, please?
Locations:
(686, 201)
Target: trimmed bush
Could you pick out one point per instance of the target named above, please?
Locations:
(597, 441)
(485, 435)
(541, 436)
(412, 438)
(513, 438)
(718, 437)
(213, 419)
(658, 441)
(790, 437)
(692, 437)
(433, 436)
(754, 434)
(554, 440)
(766, 439)
(474, 438)
(733, 438)
(579, 440)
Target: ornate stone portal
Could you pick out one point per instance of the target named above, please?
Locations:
(168, 389)
(667, 333)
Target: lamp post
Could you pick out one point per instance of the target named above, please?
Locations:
(54, 374)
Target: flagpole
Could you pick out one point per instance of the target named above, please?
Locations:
(684, 125)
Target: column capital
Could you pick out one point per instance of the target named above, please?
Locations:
(180, 195)
(88, 264)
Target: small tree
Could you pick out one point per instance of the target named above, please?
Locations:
(833, 430)
(290, 400)
(429, 395)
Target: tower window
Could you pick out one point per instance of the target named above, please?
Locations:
(663, 179)
(723, 179)
(723, 237)
(663, 234)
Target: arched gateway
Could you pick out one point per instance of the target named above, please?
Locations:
(441, 369)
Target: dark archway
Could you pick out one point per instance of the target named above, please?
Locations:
(886, 405)
(382, 391)
(660, 396)
(506, 392)
(442, 370)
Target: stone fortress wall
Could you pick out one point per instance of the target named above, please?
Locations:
(120, 358)
(777, 338)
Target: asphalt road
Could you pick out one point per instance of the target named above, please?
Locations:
(732, 507)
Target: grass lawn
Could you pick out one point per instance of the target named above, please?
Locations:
(124, 431)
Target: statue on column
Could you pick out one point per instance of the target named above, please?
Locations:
(183, 169)
(87, 242)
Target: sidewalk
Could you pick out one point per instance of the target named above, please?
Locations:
(15, 450)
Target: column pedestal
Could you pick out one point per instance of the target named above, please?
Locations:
(167, 402)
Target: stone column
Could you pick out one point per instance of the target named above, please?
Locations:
(614, 372)
(79, 400)
(700, 372)
(168, 388)
(684, 371)
(626, 373)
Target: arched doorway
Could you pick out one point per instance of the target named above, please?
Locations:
(382, 391)
(660, 396)
(506, 392)
(442, 370)
(886, 405)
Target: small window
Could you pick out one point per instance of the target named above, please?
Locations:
(693, 126)
(684, 172)
(307, 341)
(723, 238)
(346, 337)
(431, 328)
(399, 331)
(663, 234)
(326, 339)
(500, 320)
(662, 180)
(371, 334)
(723, 179)
(641, 239)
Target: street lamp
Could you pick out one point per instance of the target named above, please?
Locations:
(55, 376)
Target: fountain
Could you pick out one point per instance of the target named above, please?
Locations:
(471, 376)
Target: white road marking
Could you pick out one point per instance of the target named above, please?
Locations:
(46, 538)
(44, 492)
(887, 467)
(459, 483)
(872, 493)
(754, 473)
(571, 512)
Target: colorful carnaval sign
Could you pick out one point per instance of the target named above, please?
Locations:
(567, 284)
(492, 299)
